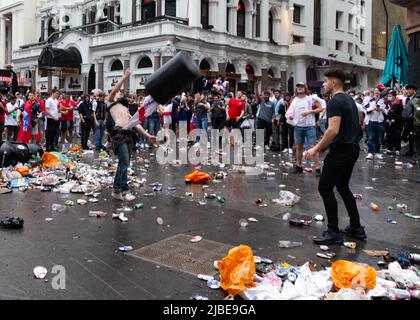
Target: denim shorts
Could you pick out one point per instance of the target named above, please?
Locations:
(305, 132)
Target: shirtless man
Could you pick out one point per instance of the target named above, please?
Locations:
(123, 141)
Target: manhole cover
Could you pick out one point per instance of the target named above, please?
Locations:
(179, 253)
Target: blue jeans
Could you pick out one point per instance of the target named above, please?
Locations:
(153, 126)
(121, 178)
(99, 133)
(305, 135)
(201, 124)
(375, 132)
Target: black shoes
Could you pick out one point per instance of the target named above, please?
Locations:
(318, 173)
(358, 233)
(329, 237)
(297, 170)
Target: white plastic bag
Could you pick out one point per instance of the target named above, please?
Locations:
(287, 198)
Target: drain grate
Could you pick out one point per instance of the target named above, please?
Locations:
(180, 254)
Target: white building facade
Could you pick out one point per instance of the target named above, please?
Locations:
(253, 43)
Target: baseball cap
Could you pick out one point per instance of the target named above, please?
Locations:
(300, 84)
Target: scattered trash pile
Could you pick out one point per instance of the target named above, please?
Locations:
(255, 278)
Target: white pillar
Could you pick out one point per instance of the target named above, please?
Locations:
(248, 24)
(194, 14)
(277, 30)
(221, 16)
(2, 41)
(233, 19)
(265, 17)
(285, 26)
(213, 17)
(300, 67)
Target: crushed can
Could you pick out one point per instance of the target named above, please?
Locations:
(125, 248)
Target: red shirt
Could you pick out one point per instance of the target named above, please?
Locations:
(235, 108)
(3, 107)
(63, 105)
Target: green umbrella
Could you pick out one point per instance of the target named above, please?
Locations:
(396, 65)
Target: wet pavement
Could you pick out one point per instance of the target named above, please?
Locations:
(87, 247)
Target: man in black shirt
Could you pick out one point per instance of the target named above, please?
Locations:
(342, 137)
(86, 119)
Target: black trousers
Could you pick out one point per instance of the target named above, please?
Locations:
(86, 129)
(287, 136)
(12, 133)
(337, 171)
(51, 134)
(393, 137)
(267, 126)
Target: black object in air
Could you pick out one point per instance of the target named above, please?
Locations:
(11, 153)
(172, 78)
(12, 223)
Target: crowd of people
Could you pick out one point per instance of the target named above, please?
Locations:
(292, 122)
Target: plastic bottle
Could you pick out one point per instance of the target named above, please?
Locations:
(289, 244)
(243, 223)
(286, 216)
(97, 214)
(58, 207)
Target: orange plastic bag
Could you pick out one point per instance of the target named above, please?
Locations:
(346, 274)
(22, 170)
(197, 177)
(237, 270)
(49, 160)
(75, 149)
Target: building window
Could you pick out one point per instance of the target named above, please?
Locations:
(362, 35)
(339, 20)
(205, 65)
(170, 8)
(317, 23)
(144, 63)
(117, 66)
(258, 22)
(249, 69)
(148, 9)
(227, 19)
(351, 22)
(297, 14)
(205, 13)
(230, 68)
(339, 45)
(270, 27)
(241, 19)
(297, 39)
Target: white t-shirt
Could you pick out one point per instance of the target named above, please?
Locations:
(10, 120)
(298, 106)
(51, 105)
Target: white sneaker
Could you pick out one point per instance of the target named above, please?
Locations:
(397, 153)
(128, 196)
(285, 150)
(267, 148)
(369, 156)
(197, 144)
(142, 145)
(290, 151)
(379, 156)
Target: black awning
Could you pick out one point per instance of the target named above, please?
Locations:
(54, 61)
